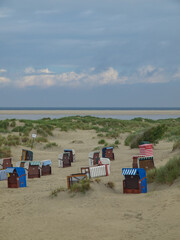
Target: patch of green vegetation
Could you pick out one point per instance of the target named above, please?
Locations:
(96, 148)
(4, 124)
(98, 180)
(117, 142)
(166, 174)
(100, 135)
(110, 185)
(112, 134)
(50, 145)
(81, 186)
(25, 139)
(26, 129)
(102, 141)
(5, 152)
(2, 140)
(13, 124)
(55, 192)
(41, 139)
(104, 127)
(176, 146)
(12, 140)
(153, 135)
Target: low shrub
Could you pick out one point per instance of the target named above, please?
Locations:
(153, 135)
(102, 141)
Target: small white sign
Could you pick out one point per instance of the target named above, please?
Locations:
(34, 135)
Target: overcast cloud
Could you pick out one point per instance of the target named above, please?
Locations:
(83, 45)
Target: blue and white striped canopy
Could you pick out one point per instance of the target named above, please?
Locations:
(134, 171)
(129, 171)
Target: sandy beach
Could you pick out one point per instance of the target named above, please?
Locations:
(102, 213)
(90, 112)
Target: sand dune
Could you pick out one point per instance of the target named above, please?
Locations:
(102, 213)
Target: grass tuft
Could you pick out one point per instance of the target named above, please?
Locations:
(102, 141)
(55, 192)
(50, 145)
(110, 185)
(82, 186)
(98, 180)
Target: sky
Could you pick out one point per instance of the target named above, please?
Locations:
(105, 53)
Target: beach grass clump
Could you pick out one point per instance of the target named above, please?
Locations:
(81, 187)
(4, 124)
(25, 130)
(50, 145)
(166, 174)
(12, 140)
(13, 123)
(100, 135)
(55, 192)
(41, 139)
(151, 175)
(24, 139)
(176, 146)
(96, 148)
(41, 132)
(2, 140)
(102, 141)
(117, 142)
(5, 152)
(98, 180)
(110, 184)
(114, 145)
(47, 129)
(112, 134)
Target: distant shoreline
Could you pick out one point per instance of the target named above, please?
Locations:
(90, 112)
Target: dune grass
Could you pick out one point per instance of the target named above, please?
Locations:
(82, 186)
(166, 174)
(55, 192)
(110, 185)
(102, 141)
(176, 146)
(5, 152)
(152, 134)
(50, 145)
(139, 128)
